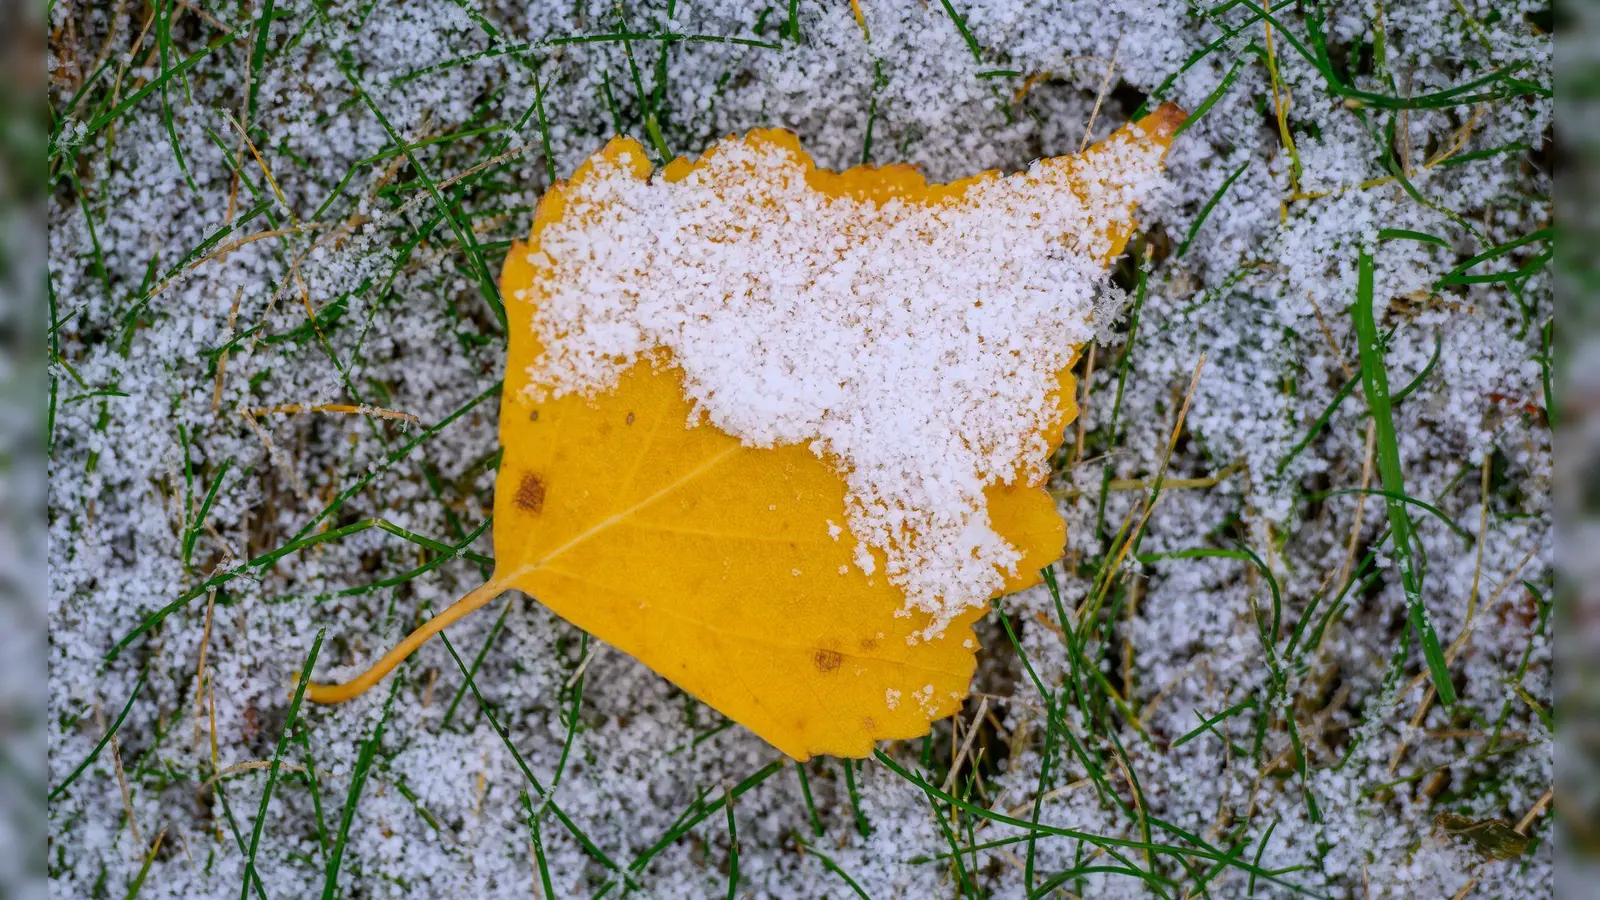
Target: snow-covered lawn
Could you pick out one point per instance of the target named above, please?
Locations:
(275, 232)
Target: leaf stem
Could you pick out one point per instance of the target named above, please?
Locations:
(474, 599)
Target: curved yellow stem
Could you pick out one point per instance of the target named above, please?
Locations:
(338, 693)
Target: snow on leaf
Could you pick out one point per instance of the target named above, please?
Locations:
(717, 558)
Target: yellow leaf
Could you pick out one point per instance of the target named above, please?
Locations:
(712, 561)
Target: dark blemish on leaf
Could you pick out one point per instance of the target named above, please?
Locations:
(533, 416)
(827, 660)
(629, 419)
(530, 494)
(869, 644)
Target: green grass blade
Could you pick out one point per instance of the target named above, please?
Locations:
(1375, 382)
(961, 26)
(538, 848)
(831, 866)
(733, 850)
(277, 761)
(1205, 211)
(811, 806)
(104, 739)
(358, 781)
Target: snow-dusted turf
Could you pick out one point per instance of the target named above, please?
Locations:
(268, 243)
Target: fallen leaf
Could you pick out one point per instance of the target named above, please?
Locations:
(718, 564)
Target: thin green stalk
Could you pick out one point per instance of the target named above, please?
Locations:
(104, 739)
(358, 781)
(277, 761)
(829, 864)
(538, 847)
(862, 825)
(733, 848)
(1375, 382)
(811, 806)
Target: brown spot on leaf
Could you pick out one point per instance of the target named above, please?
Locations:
(533, 416)
(629, 419)
(869, 643)
(827, 660)
(530, 494)
(1164, 122)
(868, 723)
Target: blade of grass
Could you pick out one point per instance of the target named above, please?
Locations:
(831, 866)
(164, 43)
(192, 533)
(1210, 724)
(463, 230)
(733, 847)
(358, 781)
(104, 739)
(277, 761)
(1401, 234)
(811, 807)
(144, 870)
(265, 560)
(1423, 505)
(1205, 211)
(1212, 98)
(477, 663)
(862, 825)
(1375, 383)
(963, 882)
(573, 722)
(961, 26)
(538, 848)
(316, 795)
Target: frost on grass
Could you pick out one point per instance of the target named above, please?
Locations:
(918, 345)
(316, 264)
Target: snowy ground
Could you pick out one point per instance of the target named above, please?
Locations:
(200, 281)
